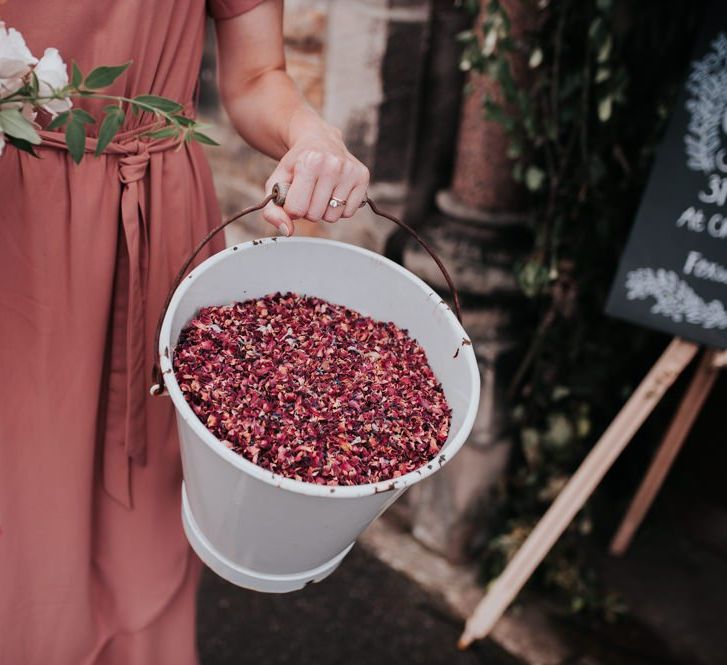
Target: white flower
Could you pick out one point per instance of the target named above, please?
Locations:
(15, 60)
(28, 113)
(52, 75)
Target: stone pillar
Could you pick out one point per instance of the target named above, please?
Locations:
(375, 53)
(479, 230)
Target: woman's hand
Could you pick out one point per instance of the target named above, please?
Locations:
(269, 112)
(319, 168)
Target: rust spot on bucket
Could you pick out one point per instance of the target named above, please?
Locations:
(456, 353)
(466, 342)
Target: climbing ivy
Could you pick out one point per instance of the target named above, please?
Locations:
(583, 98)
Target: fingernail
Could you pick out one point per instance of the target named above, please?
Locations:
(283, 228)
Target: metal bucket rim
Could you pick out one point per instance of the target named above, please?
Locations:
(183, 409)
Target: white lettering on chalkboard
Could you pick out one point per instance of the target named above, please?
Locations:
(675, 299)
(704, 269)
(707, 105)
(719, 157)
(717, 226)
(693, 219)
(717, 193)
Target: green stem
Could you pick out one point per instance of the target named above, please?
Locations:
(86, 95)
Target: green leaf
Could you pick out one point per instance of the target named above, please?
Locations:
(83, 117)
(14, 124)
(560, 430)
(76, 138)
(514, 150)
(534, 178)
(504, 77)
(495, 112)
(532, 277)
(34, 84)
(22, 144)
(76, 76)
(102, 77)
(164, 132)
(605, 106)
(536, 58)
(604, 50)
(60, 120)
(602, 74)
(183, 120)
(110, 125)
(158, 103)
(517, 172)
(531, 445)
(203, 138)
(596, 29)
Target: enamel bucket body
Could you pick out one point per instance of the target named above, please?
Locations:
(260, 530)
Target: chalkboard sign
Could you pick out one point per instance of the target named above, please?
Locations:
(673, 274)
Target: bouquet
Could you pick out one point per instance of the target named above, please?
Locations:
(29, 84)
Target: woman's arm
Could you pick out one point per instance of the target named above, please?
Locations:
(269, 112)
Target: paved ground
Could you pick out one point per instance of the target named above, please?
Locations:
(364, 614)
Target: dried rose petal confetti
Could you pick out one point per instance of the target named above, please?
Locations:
(311, 390)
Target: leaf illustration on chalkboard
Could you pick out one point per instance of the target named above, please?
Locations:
(675, 299)
(707, 105)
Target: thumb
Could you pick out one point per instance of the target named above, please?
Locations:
(272, 213)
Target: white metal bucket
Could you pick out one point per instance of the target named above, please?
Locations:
(260, 530)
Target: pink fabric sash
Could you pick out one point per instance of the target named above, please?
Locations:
(134, 151)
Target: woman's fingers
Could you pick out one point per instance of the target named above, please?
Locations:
(342, 191)
(316, 177)
(331, 170)
(273, 213)
(306, 170)
(357, 196)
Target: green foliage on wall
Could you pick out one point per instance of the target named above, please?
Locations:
(583, 120)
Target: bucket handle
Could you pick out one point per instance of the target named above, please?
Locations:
(278, 195)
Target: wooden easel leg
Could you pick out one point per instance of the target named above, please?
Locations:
(671, 444)
(571, 499)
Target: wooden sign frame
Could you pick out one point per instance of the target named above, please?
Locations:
(674, 360)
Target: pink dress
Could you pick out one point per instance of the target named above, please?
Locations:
(94, 565)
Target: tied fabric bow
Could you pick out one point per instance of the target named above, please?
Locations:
(126, 443)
